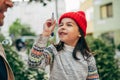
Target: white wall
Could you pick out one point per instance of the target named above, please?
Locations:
(33, 14)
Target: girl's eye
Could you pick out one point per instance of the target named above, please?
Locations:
(69, 24)
(60, 25)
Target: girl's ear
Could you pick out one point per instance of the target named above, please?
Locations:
(79, 35)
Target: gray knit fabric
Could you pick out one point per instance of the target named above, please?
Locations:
(62, 65)
(65, 67)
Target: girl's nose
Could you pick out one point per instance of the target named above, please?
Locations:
(63, 27)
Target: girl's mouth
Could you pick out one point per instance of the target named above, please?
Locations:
(62, 33)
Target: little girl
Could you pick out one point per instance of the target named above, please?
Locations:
(71, 58)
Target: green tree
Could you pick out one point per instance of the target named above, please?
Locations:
(41, 1)
(1, 37)
(104, 54)
(20, 70)
(16, 63)
(19, 29)
(118, 47)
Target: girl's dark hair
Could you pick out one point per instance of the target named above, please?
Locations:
(80, 46)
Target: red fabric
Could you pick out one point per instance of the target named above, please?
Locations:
(78, 17)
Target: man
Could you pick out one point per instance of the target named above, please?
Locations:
(5, 70)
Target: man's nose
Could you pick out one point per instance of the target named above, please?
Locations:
(9, 3)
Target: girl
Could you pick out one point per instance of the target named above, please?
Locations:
(71, 58)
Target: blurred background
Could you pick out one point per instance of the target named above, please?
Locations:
(24, 22)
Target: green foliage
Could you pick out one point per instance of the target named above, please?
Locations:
(118, 47)
(41, 1)
(104, 54)
(19, 67)
(51, 40)
(16, 63)
(107, 38)
(1, 37)
(18, 29)
(29, 44)
(37, 74)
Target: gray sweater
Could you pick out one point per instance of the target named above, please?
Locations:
(62, 65)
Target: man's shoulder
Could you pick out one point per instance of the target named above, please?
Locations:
(2, 52)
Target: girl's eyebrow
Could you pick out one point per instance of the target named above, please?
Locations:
(71, 22)
(66, 22)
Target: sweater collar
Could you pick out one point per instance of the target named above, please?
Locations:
(68, 48)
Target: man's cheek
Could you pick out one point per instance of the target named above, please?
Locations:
(1, 21)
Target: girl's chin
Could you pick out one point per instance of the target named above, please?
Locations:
(62, 40)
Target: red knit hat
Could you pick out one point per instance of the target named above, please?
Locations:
(78, 17)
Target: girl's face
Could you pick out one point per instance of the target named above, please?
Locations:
(68, 31)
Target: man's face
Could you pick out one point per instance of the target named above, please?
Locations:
(4, 4)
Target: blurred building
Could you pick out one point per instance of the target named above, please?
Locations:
(103, 18)
(107, 18)
(87, 6)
